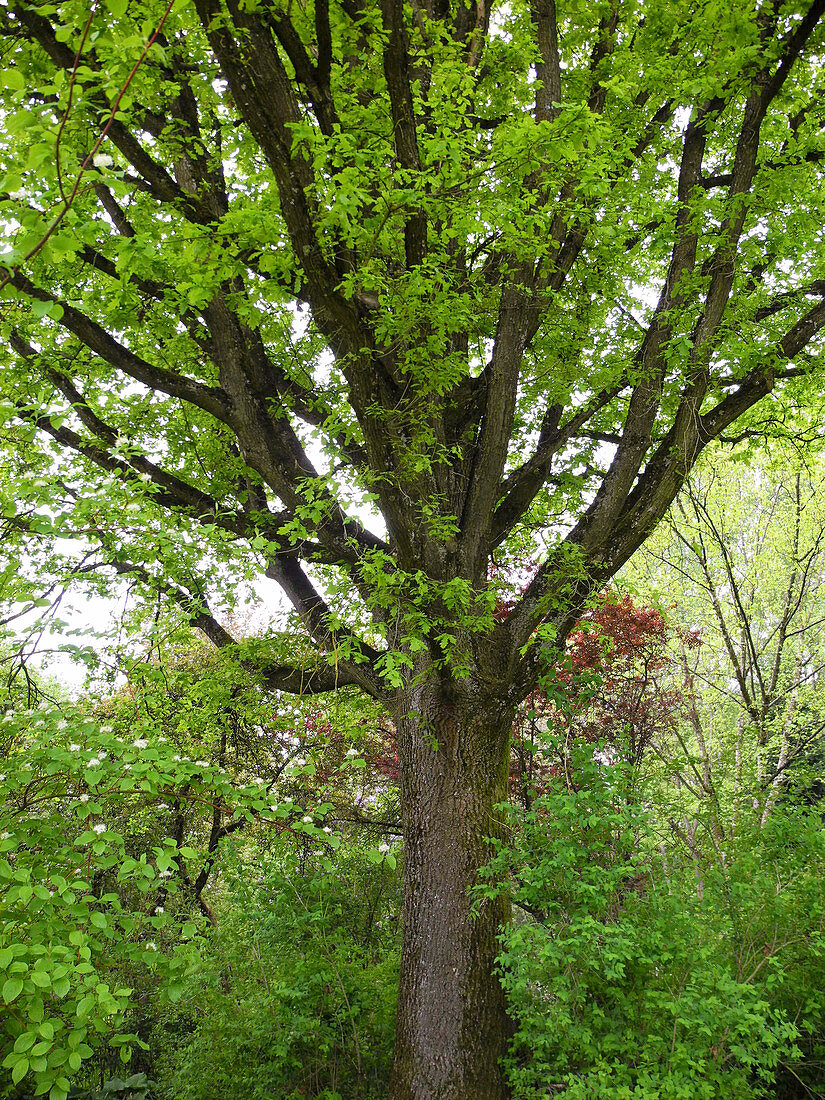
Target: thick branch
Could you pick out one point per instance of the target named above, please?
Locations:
(265, 97)
(319, 620)
(522, 486)
(397, 76)
(98, 340)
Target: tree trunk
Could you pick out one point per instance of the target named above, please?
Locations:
(452, 1022)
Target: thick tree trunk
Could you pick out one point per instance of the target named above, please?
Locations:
(452, 1022)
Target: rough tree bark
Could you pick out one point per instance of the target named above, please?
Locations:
(453, 746)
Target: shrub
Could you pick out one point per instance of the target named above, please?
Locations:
(296, 997)
(624, 980)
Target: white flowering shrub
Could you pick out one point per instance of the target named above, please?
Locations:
(81, 903)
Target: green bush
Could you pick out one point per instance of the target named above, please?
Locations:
(78, 897)
(296, 996)
(625, 980)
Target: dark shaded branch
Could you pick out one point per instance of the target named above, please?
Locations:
(312, 680)
(315, 80)
(760, 381)
(194, 606)
(522, 486)
(319, 620)
(114, 210)
(397, 76)
(98, 340)
(815, 288)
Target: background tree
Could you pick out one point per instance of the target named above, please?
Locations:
(360, 296)
(742, 557)
(614, 688)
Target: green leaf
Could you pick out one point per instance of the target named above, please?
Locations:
(12, 79)
(61, 987)
(11, 989)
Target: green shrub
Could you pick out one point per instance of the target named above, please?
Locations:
(625, 980)
(296, 997)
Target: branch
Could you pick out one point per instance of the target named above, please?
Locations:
(269, 442)
(548, 69)
(264, 95)
(318, 618)
(160, 183)
(515, 314)
(760, 381)
(313, 680)
(397, 76)
(148, 287)
(196, 608)
(316, 81)
(780, 302)
(793, 45)
(98, 340)
(668, 467)
(114, 210)
(521, 487)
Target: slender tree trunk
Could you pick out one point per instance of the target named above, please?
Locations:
(452, 1023)
(781, 776)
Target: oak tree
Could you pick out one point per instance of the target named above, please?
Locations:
(372, 296)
